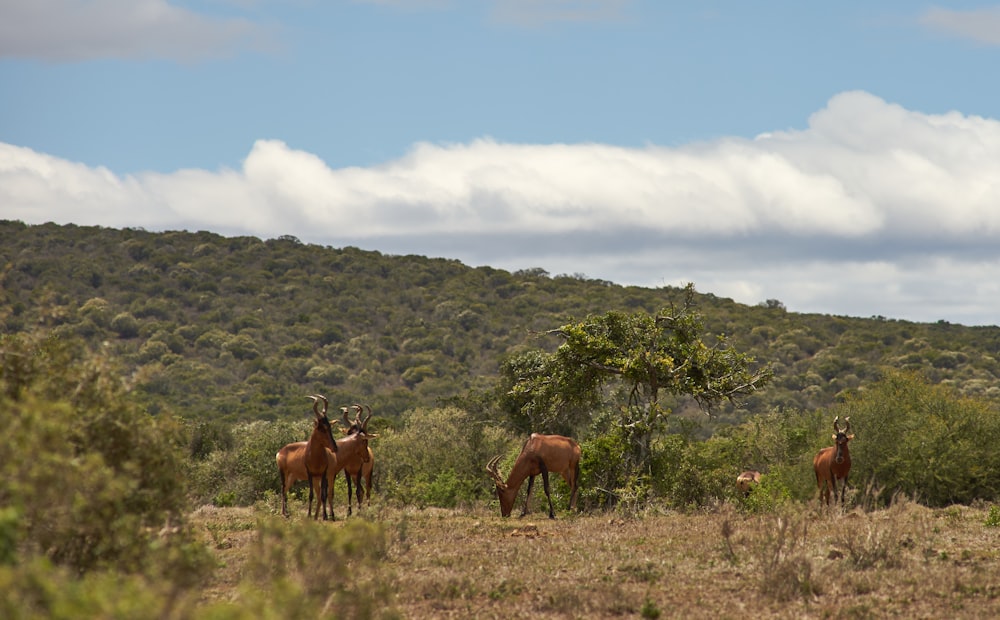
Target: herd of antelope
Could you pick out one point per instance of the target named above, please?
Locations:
(319, 459)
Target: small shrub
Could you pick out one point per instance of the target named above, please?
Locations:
(125, 325)
(778, 547)
(993, 517)
(881, 540)
(650, 610)
(767, 496)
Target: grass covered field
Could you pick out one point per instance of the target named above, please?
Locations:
(800, 562)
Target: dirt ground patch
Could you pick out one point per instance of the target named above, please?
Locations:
(904, 561)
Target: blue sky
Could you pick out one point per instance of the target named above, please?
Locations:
(842, 158)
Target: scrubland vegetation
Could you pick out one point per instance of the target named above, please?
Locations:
(124, 493)
(111, 512)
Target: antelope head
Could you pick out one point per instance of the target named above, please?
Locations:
(841, 436)
(505, 493)
(323, 425)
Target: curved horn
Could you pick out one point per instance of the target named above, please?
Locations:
(364, 423)
(848, 429)
(326, 403)
(346, 421)
(836, 424)
(315, 400)
(491, 467)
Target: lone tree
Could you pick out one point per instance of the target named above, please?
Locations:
(626, 361)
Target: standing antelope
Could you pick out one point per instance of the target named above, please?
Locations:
(834, 463)
(308, 460)
(354, 447)
(746, 481)
(355, 469)
(541, 454)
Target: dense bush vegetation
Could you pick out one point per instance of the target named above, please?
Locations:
(239, 329)
(94, 518)
(89, 478)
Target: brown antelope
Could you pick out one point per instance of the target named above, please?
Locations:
(354, 447)
(355, 469)
(308, 460)
(746, 481)
(541, 454)
(834, 463)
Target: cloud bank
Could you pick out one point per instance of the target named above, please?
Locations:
(76, 30)
(871, 209)
(979, 25)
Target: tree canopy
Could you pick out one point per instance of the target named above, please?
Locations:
(626, 362)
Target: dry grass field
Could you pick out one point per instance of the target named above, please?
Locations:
(905, 561)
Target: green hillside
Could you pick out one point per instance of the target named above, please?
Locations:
(240, 328)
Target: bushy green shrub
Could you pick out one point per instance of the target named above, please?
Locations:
(768, 496)
(600, 478)
(923, 441)
(911, 438)
(438, 458)
(89, 476)
(241, 473)
(125, 325)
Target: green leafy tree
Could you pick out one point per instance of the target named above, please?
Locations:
(634, 360)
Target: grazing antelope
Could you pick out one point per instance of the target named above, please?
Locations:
(834, 463)
(308, 460)
(541, 454)
(746, 481)
(355, 469)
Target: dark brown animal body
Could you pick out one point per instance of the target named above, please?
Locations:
(746, 481)
(356, 473)
(834, 463)
(308, 460)
(541, 454)
(354, 448)
(357, 468)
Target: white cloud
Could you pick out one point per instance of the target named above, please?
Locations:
(75, 30)
(979, 25)
(870, 209)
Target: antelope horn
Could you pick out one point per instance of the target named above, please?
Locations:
(364, 424)
(492, 469)
(848, 429)
(326, 403)
(315, 400)
(836, 424)
(343, 410)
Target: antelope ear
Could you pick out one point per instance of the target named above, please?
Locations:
(834, 436)
(851, 436)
